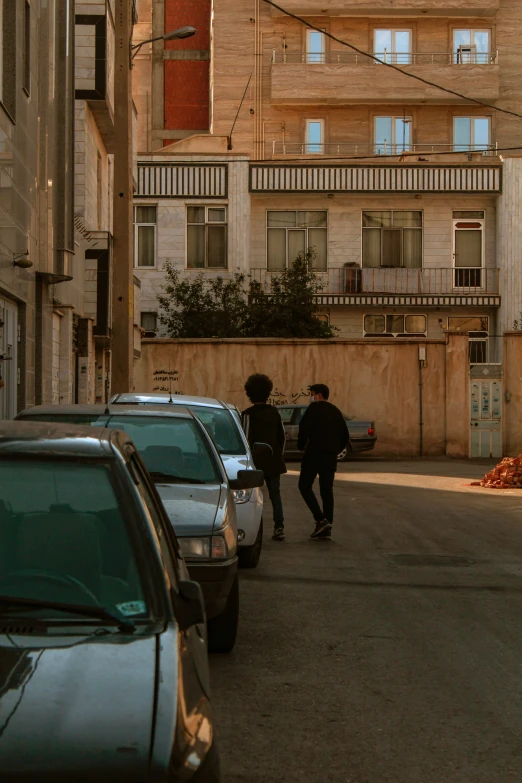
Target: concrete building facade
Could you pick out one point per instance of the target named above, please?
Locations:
(36, 206)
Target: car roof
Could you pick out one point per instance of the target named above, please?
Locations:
(174, 399)
(43, 439)
(105, 410)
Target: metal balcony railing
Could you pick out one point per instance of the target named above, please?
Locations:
(382, 280)
(485, 349)
(393, 58)
(383, 148)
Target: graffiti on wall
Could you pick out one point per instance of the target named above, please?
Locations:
(161, 377)
(280, 398)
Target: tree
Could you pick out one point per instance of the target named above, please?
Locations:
(203, 308)
(237, 308)
(288, 310)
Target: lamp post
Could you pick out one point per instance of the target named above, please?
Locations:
(174, 35)
(123, 224)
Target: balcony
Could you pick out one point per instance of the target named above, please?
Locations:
(352, 285)
(344, 77)
(477, 8)
(348, 148)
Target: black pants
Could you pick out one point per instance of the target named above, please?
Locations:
(273, 484)
(324, 466)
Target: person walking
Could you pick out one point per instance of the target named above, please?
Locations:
(263, 424)
(323, 434)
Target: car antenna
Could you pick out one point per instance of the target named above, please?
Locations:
(171, 401)
(106, 412)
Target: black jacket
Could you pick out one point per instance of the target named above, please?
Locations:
(322, 430)
(263, 424)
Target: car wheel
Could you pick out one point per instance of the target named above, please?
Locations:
(249, 555)
(222, 630)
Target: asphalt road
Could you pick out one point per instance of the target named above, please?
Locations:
(392, 654)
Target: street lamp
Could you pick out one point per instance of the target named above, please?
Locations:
(174, 35)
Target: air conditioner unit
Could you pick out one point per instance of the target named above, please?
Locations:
(467, 53)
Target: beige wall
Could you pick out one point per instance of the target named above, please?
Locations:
(373, 379)
(236, 37)
(512, 408)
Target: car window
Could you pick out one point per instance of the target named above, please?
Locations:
(286, 414)
(222, 428)
(298, 415)
(171, 448)
(64, 536)
(156, 518)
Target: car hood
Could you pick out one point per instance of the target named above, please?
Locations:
(234, 463)
(76, 710)
(191, 508)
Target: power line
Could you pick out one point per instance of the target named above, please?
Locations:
(390, 65)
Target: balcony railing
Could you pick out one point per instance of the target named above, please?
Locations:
(381, 280)
(384, 148)
(393, 58)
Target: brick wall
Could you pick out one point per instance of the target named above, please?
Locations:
(187, 80)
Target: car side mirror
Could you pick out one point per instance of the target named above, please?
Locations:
(189, 608)
(262, 451)
(248, 479)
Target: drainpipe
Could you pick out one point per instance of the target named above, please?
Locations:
(422, 364)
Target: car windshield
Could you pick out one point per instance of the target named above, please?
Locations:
(222, 428)
(64, 539)
(172, 449)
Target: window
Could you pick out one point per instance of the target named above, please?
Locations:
(174, 448)
(392, 46)
(471, 133)
(292, 233)
(8, 56)
(395, 325)
(314, 136)
(314, 47)
(27, 48)
(221, 427)
(468, 248)
(99, 189)
(477, 328)
(149, 322)
(392, 239)
(206, 237)
(68, 517)
(392, 135)
(472, 46)
(145, 235)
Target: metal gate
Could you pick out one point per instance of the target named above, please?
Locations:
(486, 418)
(8, 358)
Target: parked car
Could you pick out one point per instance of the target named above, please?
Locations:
(192, 483)
(362, 433)
(223, 423)
(103, 663)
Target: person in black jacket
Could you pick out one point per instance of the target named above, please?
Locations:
(263, 424)
(323, 434)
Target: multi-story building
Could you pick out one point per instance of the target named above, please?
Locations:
(407, 189)
(171, 82)
(36, 185)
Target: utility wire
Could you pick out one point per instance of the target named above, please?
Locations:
(390, 65)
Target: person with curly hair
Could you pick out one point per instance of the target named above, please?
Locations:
(262, 424)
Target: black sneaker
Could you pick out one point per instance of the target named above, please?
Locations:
(322, 530)
(279, 534)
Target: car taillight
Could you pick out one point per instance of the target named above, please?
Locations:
(371, 431)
